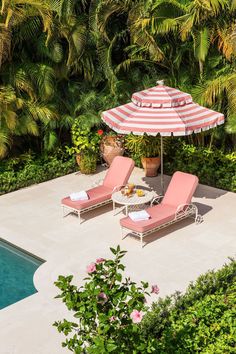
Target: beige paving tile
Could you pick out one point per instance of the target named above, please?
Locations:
(32, 219)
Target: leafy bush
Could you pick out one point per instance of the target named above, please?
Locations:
(108, 310)
(112, 316)
(88, 162)
(201, 320)
(27, 170)
(213, 167)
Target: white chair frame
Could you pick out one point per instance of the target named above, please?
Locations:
(66, 210)
(183, 211)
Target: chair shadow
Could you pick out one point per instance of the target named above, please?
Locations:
(203, 209)
(157, 235)
(96, 212)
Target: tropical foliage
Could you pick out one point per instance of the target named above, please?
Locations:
(60, 60)
(110, 314)
(28, 169)
(107, 310)
(202, 320)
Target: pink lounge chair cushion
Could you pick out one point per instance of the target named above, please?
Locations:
(181, 189)
(119, 172)
(160, 214)
(96, 195)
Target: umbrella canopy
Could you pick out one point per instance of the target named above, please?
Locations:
(161, 96)
(179, 121)
(161, 110)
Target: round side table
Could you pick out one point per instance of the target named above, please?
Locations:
(133, 201)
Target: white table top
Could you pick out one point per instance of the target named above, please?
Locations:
(119, 198)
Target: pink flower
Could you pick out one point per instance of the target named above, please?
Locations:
(136, 316)
(100, 260)
(91, 268)
(155, 289)
(103, 297)
(112, 318)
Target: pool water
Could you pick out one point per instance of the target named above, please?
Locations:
(17, 269)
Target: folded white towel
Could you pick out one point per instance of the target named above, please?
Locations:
(78, 196)
(139, 215)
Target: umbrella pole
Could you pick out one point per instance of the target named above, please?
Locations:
(162, 180)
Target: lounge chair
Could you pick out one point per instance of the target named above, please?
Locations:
(174, 206)
(117, 176)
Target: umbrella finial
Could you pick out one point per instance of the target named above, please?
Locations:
(160, 82)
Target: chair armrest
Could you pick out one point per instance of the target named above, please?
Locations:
(188, 210)
(117, 188)
(184, 209)
(157, 199)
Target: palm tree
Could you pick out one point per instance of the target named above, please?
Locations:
(15, 13)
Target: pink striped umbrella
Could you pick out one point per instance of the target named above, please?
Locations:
(161, 110)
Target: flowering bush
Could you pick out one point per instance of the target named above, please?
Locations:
(108, 310)
(84, 138)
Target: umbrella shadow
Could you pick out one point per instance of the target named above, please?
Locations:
(208, 192)
(202, 191)
(203, 209)
(154, 183)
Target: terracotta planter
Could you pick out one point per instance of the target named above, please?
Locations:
(110, 147)
(151, 165)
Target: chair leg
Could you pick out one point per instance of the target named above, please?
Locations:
(122, 235)
(79, 217)
(141, 237)
(63, 211)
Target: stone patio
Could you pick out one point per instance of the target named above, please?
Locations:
(31, 218)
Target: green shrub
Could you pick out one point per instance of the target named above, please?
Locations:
(213, 167)
(88, 162)
(27, 170)
(202, 320)
(107, 310)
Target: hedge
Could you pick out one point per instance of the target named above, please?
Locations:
(203, 320)
(213, 167)
(26, 170)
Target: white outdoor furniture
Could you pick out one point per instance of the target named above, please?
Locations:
(134, 201)
(174, 206)
(116, 177)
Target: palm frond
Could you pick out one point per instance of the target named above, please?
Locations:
(50, 140)
(231, 123)
(10, 119)
(104, 12)
(226, 40)
(65, 121)
(26, 125)
(201, 44)
(45, 77)
(5, 43)
(5, 142)
(23, 82)
(40, 112)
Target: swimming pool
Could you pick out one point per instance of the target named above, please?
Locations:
(17, 269)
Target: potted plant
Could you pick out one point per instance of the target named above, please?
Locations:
(111, 145)
(147, 148)
(85, 146)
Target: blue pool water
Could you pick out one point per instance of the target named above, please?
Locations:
(16, 274)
